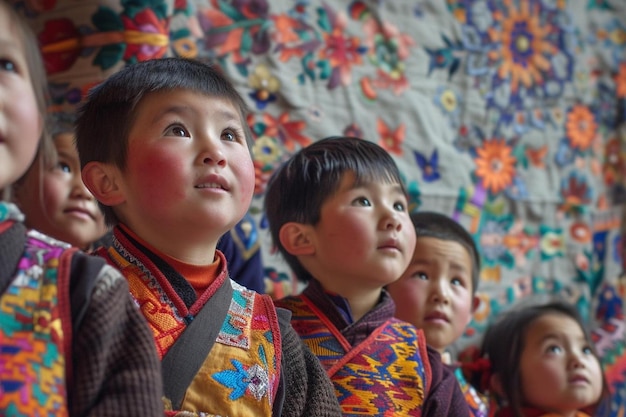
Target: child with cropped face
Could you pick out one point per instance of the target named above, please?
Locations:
(72, 341)
(437, 291)
(56, 202)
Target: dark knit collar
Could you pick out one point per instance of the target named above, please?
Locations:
(12, 243)
(354, 332)
(184, 290)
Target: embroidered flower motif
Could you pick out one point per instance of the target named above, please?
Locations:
(236, 379)
(147, 36)
(580, 232)
(264, 84)
(520, 242)
(551, 243)
(285, 130)
(428, 165)
(495, 165)
(576, 193)
(391, 140)
(524, 40)
(447, 100)
(341, 53)
(580, 127)
(388, 49)
(266, 150)
(262, 174)
(60, 46)
(613, 162)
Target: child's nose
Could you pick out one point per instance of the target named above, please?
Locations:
(440, 291)
(576, 360)
(212, 152)
(79, 190)
(391, 221)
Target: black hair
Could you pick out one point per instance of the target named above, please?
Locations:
(440, 226)
(106, 117)
(298, 189)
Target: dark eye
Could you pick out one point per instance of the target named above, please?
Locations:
(362, 201)
(63, 167)
(399, 206)
(229, 136)
(421, 275)
(177, 130)
(554, 349)
(7, 65)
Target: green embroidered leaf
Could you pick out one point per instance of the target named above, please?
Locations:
(109, 55)
(106, 20)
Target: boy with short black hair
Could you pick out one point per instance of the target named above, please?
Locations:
(164, 147)
(437, 292)
(337, 211)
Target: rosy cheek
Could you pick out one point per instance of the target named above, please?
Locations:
(246, 181)
(157, 173)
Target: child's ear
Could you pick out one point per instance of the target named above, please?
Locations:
(475, 303)
(296, 239)
(102, 180)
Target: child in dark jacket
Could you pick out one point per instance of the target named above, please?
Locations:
(337, 211)
(437, 292)
(164, 148)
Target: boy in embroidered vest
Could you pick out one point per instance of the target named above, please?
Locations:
(165, 149)
(437, 292)
(337, 212)
(72, 341)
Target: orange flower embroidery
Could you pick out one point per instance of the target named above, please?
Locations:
(580, 127)
(495, 165)
(524, 41)
(391, 140)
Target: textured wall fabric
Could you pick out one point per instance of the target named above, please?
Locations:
(506, 114)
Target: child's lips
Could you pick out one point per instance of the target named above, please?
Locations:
(80, 212)
(392, 244)
(436, 316)
(212, 181)
(579, 379)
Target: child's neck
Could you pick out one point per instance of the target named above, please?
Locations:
(182, 251)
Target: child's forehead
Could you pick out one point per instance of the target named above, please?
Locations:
(155, 103)
(554, 324)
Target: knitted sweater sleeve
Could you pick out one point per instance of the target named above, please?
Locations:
(444, 397)
(308, 390)
(116, 371)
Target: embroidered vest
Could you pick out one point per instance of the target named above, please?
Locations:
(241, 373)
(385, 375)
(35, 331)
